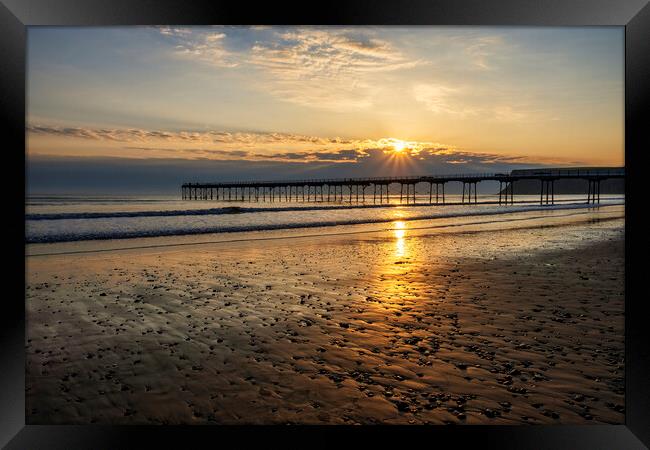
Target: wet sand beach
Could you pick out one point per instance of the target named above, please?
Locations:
(517, 323)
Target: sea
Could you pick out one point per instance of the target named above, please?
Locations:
(69, 218)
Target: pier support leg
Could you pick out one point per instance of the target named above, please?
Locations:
(552, 192)
(500, 189)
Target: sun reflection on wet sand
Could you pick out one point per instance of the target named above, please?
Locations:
(400, 244)
(396, 287)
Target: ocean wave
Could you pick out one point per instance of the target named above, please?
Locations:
(227, 210)
(115, 233)
(163, 213)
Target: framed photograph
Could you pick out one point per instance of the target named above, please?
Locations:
(369, 219)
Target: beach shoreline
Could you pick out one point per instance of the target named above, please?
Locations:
(409, 323)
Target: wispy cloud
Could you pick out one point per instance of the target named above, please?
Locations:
(442, 99)
(208, 137)
(333, 156)
(316, 53)
(269, 146)
(341, 68)
(480, 50)
(480, 104)
(237, 145)
(328, 69)
(206, 46)
(325, 68)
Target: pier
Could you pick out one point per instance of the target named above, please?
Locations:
(377, 188)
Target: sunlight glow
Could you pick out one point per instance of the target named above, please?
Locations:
(400, 232)
(399, 146)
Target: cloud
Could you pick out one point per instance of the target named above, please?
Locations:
(140, 135)
(258, 145)
(332, 53)
(273, 146)
(442, 99)
(480, 50)
(66, 174)
(279, 147)
(207, 46)
(327, 68)
(351, 155)
(339, 68)
(466, 102)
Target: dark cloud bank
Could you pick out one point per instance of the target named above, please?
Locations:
(97, 176)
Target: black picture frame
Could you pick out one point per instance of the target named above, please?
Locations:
(16, 15)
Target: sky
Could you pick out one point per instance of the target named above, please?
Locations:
(146, 108)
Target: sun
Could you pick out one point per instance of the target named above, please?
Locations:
(399, 146)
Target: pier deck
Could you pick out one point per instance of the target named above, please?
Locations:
(354, 189)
